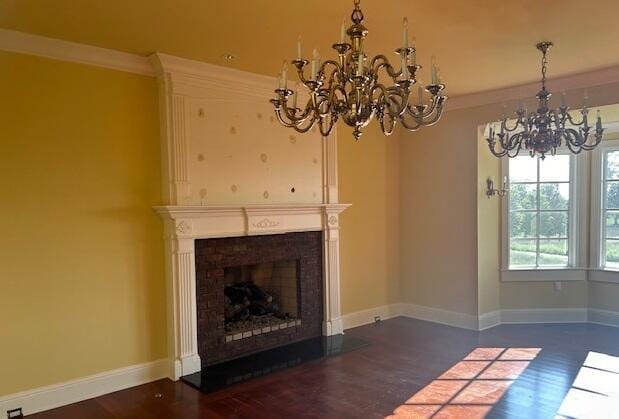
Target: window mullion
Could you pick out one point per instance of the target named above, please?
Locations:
(604, 187)
(537, 217)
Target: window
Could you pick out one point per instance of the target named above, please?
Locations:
(539, 212)
(610, 210)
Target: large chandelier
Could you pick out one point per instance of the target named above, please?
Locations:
(349, 87)
(546, 129)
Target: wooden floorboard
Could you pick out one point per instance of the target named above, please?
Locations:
(404, 357)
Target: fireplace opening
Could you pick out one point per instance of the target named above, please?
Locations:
(261, 296)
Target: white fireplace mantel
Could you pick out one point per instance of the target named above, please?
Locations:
(185, 224)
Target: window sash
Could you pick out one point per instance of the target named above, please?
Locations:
(537, 237)
(605, 210)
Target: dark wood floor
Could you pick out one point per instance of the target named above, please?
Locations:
(405, 358)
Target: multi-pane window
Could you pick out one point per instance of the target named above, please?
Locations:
(610, 210)
(539, 211)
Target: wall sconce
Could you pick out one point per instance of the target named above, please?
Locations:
(490, 191)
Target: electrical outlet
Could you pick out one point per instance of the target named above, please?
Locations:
(376, 319)
(558, 286)
(14, 413)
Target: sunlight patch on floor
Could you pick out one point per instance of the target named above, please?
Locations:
(595, 391)
(471, 387)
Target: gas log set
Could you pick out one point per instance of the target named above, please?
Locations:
(246, 302)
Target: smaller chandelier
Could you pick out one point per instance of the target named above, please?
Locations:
(544, 130)
(349, 88)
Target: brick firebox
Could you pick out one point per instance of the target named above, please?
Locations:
(214, 255)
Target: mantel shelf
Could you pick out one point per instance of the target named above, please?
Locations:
(198, 211)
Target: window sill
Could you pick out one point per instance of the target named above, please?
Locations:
(545, 274)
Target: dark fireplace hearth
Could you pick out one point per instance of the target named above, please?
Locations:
(258, 292)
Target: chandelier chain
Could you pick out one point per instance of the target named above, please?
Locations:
(544, 69)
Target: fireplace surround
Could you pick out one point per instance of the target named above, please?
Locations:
(284, 269)
(203, 155)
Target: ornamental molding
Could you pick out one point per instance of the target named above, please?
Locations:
(183, 227)
(266, 223)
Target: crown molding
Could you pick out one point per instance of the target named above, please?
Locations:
(214, 75)
(584, 80)
(25, 43)
(165, 63)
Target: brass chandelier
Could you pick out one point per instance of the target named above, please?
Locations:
(349, 88)
(545, 130)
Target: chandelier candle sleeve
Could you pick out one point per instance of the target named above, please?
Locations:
(357, 89)
(545, 130)
(315, 63)
(405, 33)
(285, 74)
(405, 74)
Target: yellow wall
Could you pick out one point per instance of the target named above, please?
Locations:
(369, 179)
(81, 277)
(82, 274)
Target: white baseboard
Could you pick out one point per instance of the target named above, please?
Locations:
(488, 320)
(604, 317)
(483, 321)
(363, 317)
(61, 394)
(438, 315)
(544, 315)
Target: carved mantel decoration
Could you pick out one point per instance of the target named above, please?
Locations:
(189, 216)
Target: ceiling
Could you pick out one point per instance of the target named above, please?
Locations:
(479, 44)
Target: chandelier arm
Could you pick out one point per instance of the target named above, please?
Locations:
(386, 65)
(323, 107)
(514, 142)
(292, 118)
(581, 141)
(284, 122)
(323, 69)
(571, 141)
(301, 75)
(512, 145)
(309, 126)
(331, 122)
(517, 124)
(387, 130)
(573, 123)
(410, 127)
(437, 116)
(497, 153)
(432, 118)
(385, 98)
(515, 151)
(403, 94)
(427, 110)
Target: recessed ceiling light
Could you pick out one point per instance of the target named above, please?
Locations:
(228, 57)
